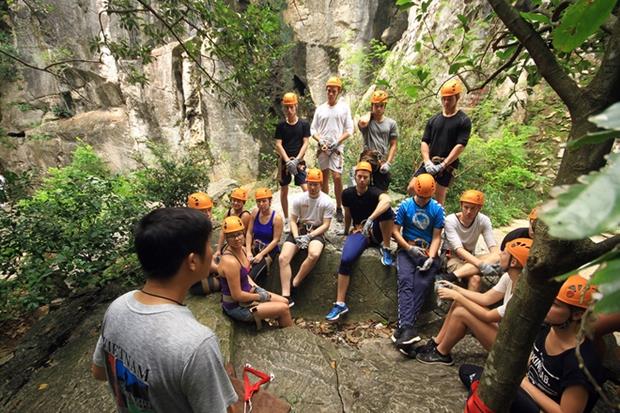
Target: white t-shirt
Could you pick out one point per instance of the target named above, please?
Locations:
(330, 122)
(504, 286)
(456, 235)
(312, 210)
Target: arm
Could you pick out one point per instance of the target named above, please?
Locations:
(467, 256)
(278, 225)
(382, 206)
(246, 218)
(480, 312)
(229, 268)
(343, 137)
(453, 155)
(363, 121)
(402, 243)
(280, 150)
(322, 228)
(424, 150)
(392, 150)
(250, 233)
(314, 127)
(348, 127)
(484, 299)
(220, 244)
(304, 147)
(435, 242)
(347, 220)
(574, 398)
(98, 372)
(293, 225)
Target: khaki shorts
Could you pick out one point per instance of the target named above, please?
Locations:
(454, 263)
(333, 162)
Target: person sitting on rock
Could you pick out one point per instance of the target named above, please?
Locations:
(421, 220)
(524, 232)
(263, 235)
(380, 136)
(461, 233)
(470, 310)
(203, 203)
(556, 380)
(238, 198)
(311, 216)
(155, 355)
(292, 136)
(368, 209)
(242, 299)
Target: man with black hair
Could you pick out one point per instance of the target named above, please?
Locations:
(155, 355)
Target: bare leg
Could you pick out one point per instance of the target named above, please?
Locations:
(278, 310)
(314, 252)
(468, 269)
(284, 200)
(286, 255)
(460, 321)
(343, 286)
(446, 323)
(325, 183)
(338, 188)
(440, 194)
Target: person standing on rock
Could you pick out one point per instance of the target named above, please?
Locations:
(155, 355)
(461, 233)
(380, 136)
(417, 230)
(368, 209)
(238, 198)
(242, 299)
(311, 216)
(331, 126)
(470, 309)
(263, 235)
(445, 137)
(292, 136)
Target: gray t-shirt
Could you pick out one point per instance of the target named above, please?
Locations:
(456, 235)
(377, 135)
(159, 358)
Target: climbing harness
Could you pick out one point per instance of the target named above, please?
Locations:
(251, 388)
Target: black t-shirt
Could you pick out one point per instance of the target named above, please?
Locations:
(360, 206)
(553, 374)
(292, 136)
(514, 234)
(442, 134)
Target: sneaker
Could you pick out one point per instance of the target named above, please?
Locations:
(386, 257)
(408, 336)
(396, 334)
(409, 351)
(339, 216)
(447, 276)
(428, 346)
(336, 312)
(434, 357)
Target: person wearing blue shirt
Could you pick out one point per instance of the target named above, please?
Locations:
(417, 230)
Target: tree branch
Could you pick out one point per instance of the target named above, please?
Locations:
(566, 88)
(606, 82)
(500, 69)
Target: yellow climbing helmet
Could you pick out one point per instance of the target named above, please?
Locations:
(423, 185)
(334, 81)
(232, 224)
(379, 96)
(451, 87)
(472, 196)
(199, 200)
(289, 99)
(263, 193)
(240, 194)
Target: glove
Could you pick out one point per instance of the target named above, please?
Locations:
(302, 241)
(263, 294)
(489, 270)
(443, 284)
(332, 146)
(429, 166)
(367, 229)
(415, 252)
(291, 166)
(385, 168)
(427, 264)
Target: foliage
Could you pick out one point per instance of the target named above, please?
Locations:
(61, 111)
(7, 65)
(76, 228)
(170, 177)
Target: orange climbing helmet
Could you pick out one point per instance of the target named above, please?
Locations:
(289, 99)
(263, 193)
(451, 87)
(423, 185)
(232, 224)
(363, 166)
(379, 96)
(199, 200)
(472, 196)
(533, 214)
(240, 194)
(314, 175)
(520, 249)
(576, 291)
(334, 81)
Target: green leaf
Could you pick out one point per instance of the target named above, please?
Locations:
(404, 4)
(454, 68)
(594, 138)
(532, 17)
(609, 119)
(463, 21)
(586, 208)
(610, 303)
(608, 272)
(506, 53)
(579, 21)
(411, 91)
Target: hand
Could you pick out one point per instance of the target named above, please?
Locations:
(302, 241)
(291, 166)
(429, 166)
(255, 260)
(433, 169)
(367, 229)
(263, 294)
(332, 146)
(427, 264)
(415, 252)
(490, 270)
(445, 284)
(448, 293)
(385, 168)
(250, 257)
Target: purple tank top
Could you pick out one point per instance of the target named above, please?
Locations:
(264, 232)
(245, 285)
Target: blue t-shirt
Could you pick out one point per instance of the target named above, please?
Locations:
(417, 221)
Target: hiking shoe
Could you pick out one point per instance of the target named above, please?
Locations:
(339, 216)
(447, 276)
(428, 346)
(408, 336)
(336, 312)
(409, 351)
(396, 334)
(434, 357)
(386, 257)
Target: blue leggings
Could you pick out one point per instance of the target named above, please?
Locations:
(413, 285)
(354, 246)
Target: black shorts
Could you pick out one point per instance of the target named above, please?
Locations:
(443, 178)
(381, 181)
(319, 238)
(285, 178)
